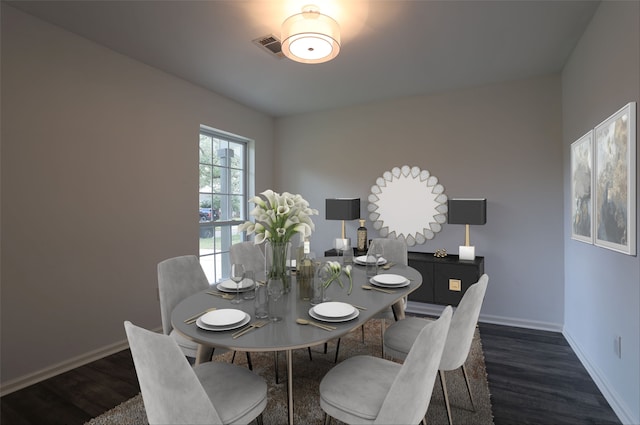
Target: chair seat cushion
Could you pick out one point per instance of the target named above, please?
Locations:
(353, 391)
(399, 337)
(238, 394)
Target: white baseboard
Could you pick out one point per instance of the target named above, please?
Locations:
(57, 369)
(608, 391)
(436, 310)
(521, 323)
(65, 366)
(424, 309)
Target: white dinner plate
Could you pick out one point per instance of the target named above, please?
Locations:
(333, 310)
(334, 319)
(382, 285)
(233, 291)
(223, 317)
(389, 279)
(362, 260)
(231, 285)
(240, 324)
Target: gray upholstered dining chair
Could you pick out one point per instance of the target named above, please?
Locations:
(395, 252)
(400, 336)
(175, 393)
(371, 390)
(250, 255)
(179, 278)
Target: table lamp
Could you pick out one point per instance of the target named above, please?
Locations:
(467, 211)
(342, 209)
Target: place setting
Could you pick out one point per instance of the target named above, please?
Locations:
(229, 286)
(389, 281)
(362, 260)
(223, 320)
(334, 312)
(242, 282)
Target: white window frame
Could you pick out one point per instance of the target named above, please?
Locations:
(214, 253)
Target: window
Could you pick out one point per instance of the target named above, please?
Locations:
(222, 198)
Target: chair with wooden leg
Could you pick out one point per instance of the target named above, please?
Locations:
(371, 390)
(400, 336)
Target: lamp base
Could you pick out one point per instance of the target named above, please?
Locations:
(340, 244)
(467, 253)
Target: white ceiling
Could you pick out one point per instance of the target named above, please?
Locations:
(390, 48)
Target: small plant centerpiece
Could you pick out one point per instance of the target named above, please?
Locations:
(333, 271)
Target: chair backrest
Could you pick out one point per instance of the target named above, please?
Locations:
(463, 325)
(250, 255)
(410, 393)
(171, 391)
(178, 278)
(395, 250)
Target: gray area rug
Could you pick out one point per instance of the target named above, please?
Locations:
(307, 376)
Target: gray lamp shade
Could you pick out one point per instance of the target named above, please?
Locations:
(342, 208)
(467, 211)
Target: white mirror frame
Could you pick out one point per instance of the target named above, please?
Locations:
(409, 204)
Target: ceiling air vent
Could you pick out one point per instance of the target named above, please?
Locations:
(271, 44)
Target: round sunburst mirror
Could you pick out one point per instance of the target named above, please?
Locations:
(409, 204)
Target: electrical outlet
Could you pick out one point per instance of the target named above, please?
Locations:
(617, 346)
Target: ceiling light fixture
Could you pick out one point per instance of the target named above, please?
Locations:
(310, 37)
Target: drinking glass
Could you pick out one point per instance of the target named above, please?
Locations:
(275, 287)
(347, 255)
(374, 255)
(237, 274)
(250, 280)
(261, 302)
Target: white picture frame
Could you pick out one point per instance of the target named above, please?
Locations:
(581, 183)
(614, 183)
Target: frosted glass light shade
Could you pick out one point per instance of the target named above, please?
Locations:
(310, 37)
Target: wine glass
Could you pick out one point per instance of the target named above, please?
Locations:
(237, 275)
(374, 255)
(275, 289)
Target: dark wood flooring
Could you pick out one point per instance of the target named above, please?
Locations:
(534, 378)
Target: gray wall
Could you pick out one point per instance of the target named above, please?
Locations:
(99, 183)
(502, 142)
(602, 287)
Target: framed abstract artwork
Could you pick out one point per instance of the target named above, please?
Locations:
(615, 181)
(581, 179)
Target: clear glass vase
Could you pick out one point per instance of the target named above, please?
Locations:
(323, 274)
(277, 259)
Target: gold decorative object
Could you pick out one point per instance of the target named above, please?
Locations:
(440, 253)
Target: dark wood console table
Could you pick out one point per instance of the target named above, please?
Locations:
(444, 280)
(334, 253)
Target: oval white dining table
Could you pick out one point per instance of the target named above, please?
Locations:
(287, 335)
